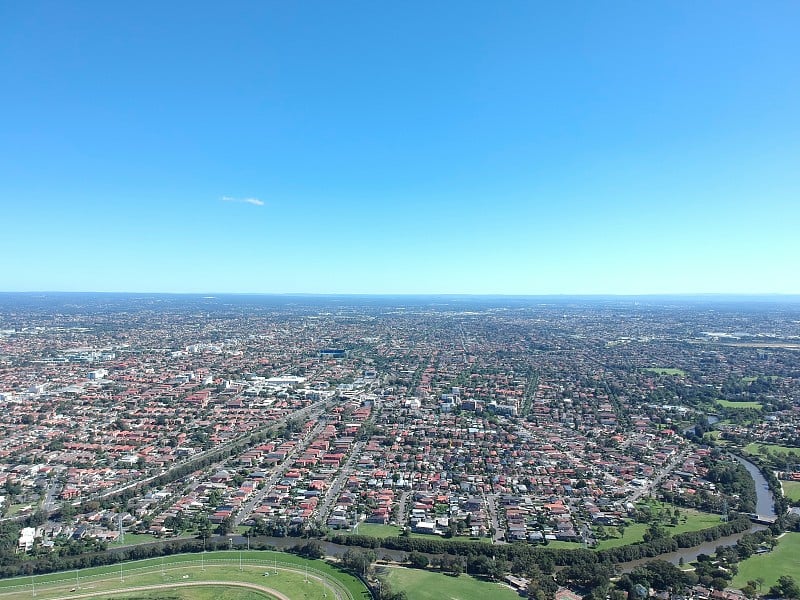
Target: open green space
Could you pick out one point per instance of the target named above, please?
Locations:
(425, 585)
(791, 490)
(759, 448)
(783, 560)
(286, 574)
(16, 509)
(666, 371)
(689, 520)
(739, 405)
(376, 530)
(383, 531)
(132, 539)
(193, 593)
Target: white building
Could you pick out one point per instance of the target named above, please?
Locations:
(26, 537)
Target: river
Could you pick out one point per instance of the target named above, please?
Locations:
(765, 506)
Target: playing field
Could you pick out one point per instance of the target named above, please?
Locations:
(741, 405)
(383, 531)
(293, 577)
(791, 489)
(783, 560)
(759, 448)
(424, 585)
(666, 371)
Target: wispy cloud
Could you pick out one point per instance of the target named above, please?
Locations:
(252, 201)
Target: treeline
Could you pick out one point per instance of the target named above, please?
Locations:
(545, 556)
(20, 564)
(687, 539)
(184, 469)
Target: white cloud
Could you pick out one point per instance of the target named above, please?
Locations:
(252, 201)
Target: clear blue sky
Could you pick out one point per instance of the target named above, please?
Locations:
(400, 147)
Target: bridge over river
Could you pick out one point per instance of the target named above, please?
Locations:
(764, 515)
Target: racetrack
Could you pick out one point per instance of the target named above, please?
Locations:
(163, 586)
(217, 572)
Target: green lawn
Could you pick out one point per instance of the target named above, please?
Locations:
(189, 567)
(666, 371)
(791, 489)
(783, 560)
(695, 521)
(424, 585)
(16, 509)
(384, 531)
(195, 593)
(376, 530)
(135, 538)
(742, 405)
(760, 448)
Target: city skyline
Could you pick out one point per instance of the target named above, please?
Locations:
(373, 149)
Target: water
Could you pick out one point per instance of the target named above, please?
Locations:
(765, 506)
(765, 503)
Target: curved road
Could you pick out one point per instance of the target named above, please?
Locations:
(333, 588)
(164, 586)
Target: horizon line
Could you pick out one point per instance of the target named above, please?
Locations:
(427, 294)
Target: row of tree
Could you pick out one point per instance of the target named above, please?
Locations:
(546, 557)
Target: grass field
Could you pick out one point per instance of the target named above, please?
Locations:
(741, 405)
(783, 560)
(666, 371)
(193, 593)
(384, 531)
(424, 585)
(695, 521)
(185, 568)
(376, 530)
(791, 489)
(756, 448)
(135, 538)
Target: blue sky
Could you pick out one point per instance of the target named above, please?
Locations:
(400, 147)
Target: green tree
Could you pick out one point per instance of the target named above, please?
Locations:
(785, 588)
(418, 560)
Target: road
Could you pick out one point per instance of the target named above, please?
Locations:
(660, 474)
(247, 509)
(333, 491)
(491, 507)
